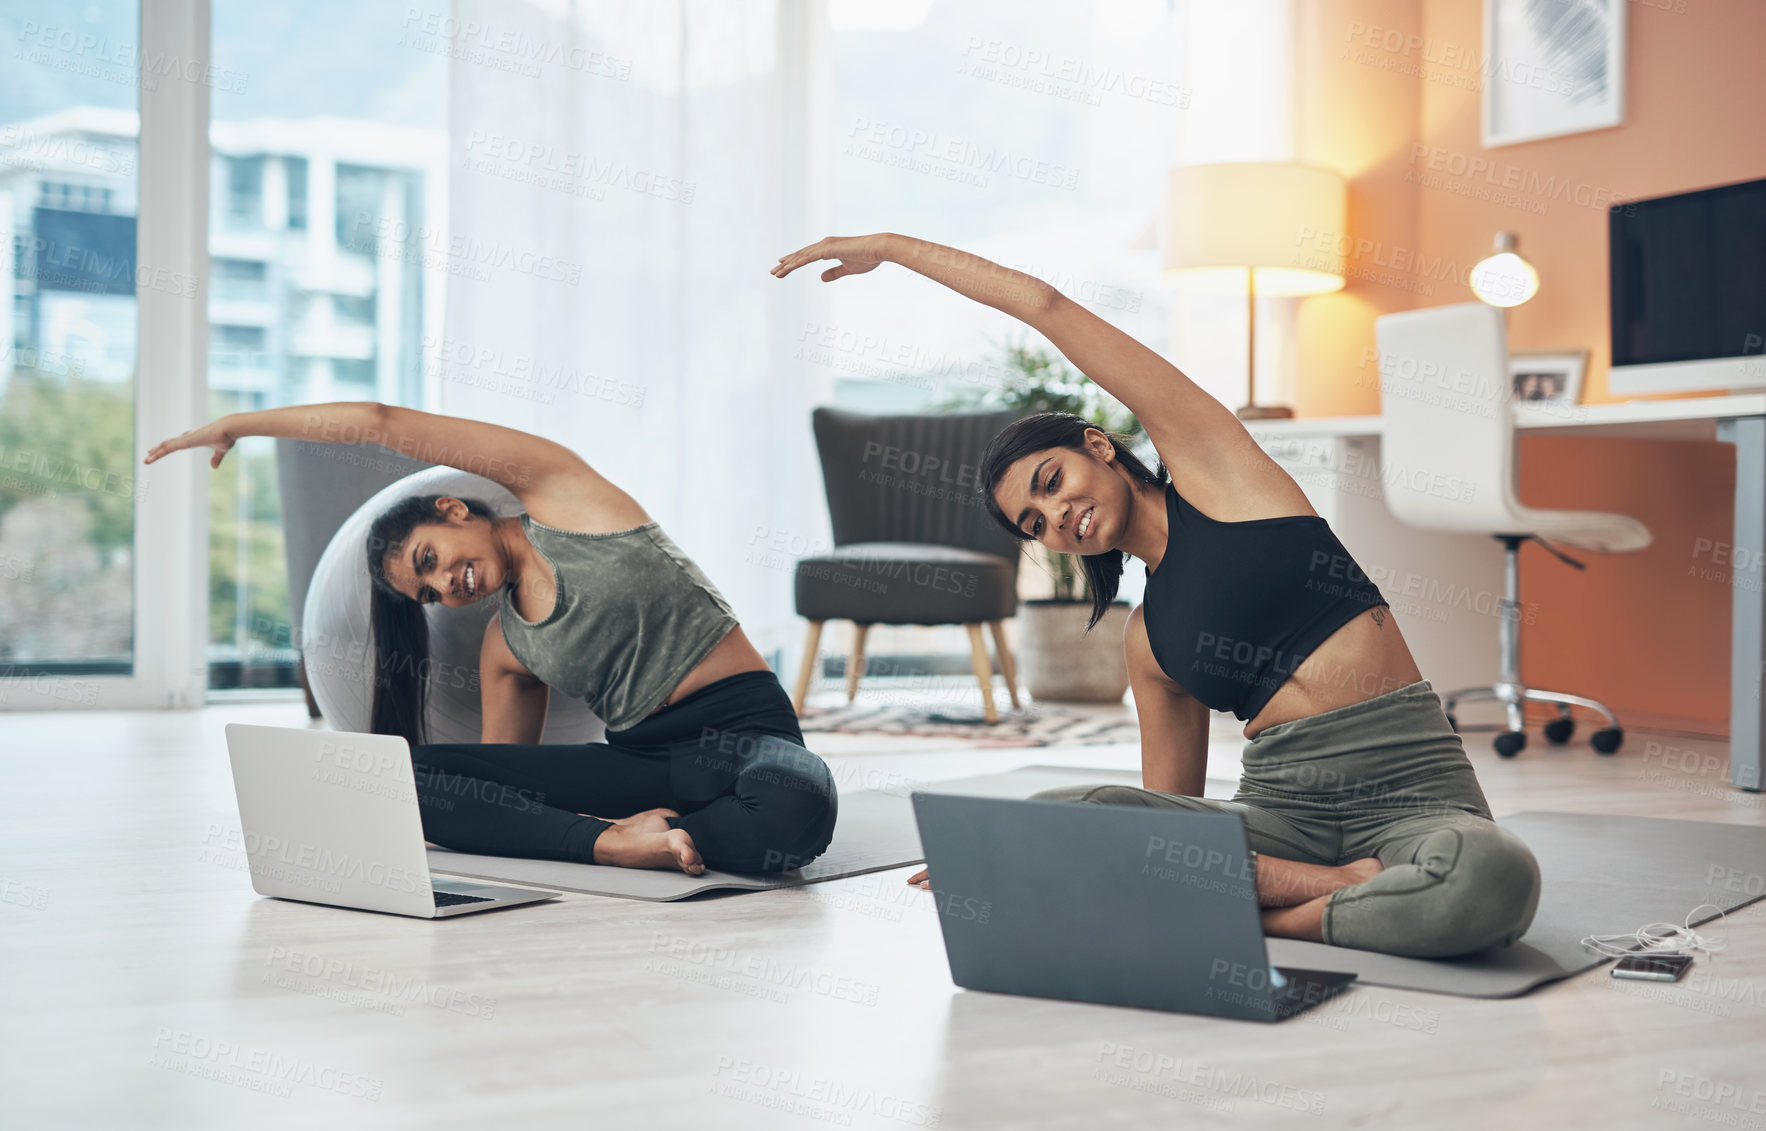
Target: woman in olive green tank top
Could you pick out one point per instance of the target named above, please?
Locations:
(704, 764)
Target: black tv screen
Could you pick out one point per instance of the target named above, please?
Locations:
(1688, 275)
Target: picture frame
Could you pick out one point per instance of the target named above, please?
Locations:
(1553, 69)
(1547, 376)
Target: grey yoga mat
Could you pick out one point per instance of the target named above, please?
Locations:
(875, 831)
(1601, 875)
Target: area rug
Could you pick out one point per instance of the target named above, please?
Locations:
(1036, 724)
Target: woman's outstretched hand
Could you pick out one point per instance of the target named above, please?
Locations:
(215, 434)
(857, 254)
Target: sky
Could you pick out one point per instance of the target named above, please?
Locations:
(319, 57)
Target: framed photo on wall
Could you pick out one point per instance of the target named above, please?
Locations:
(1547, 376)
(1552, 68)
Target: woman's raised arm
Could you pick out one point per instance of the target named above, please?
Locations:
(1188, 426)
(518, 460)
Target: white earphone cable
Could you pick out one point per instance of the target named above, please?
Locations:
(1653, 938)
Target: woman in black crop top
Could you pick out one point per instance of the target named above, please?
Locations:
(1367, 822)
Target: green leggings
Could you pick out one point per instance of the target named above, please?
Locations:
(1387, 778)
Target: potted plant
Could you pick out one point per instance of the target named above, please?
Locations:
(1061, 660)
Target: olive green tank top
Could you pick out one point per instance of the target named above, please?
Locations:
(633, 615)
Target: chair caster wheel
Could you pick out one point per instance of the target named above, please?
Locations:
(1454, 723)
(1608, 740)
(1511, 742)
(1558, 731)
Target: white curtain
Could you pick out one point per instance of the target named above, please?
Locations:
(622, 175)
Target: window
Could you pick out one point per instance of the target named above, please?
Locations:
(245, 191)
(295, 169)
(356, 375)
(238, 280)
(239, 337)
(318, 135)
(74, 197)
(237, 347)
(358, 207)
(352, 310)
(68, 479)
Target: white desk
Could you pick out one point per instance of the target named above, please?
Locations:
(1444, 587)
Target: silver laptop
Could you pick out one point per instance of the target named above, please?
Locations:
(1114, 904)
(332, 817)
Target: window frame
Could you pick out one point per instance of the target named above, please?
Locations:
(170, 574)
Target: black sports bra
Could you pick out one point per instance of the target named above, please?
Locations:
(1234, 607)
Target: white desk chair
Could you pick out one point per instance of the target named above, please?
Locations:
(1448, 462)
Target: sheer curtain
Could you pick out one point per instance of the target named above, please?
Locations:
(623, 175)
(624, 172)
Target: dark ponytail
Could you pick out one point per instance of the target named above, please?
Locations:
(400, 627)
(1044, 430)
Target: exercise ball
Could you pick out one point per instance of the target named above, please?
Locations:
(337, 645)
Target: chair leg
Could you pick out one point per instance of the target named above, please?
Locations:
(983, 671)
(855, 667)
(1466, 694)
(1006, 667)
(1566, 701)
(808, 667)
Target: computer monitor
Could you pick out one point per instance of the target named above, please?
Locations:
(1688, 290)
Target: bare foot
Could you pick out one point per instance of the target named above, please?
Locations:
(1289, 883)
(1303, 921)
(645, 840)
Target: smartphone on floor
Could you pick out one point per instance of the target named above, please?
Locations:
(1653, 967)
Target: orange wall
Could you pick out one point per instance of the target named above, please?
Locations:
(1389, 95)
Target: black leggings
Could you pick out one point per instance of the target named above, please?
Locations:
(729, 758)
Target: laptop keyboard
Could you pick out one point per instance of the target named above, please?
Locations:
(453, 899)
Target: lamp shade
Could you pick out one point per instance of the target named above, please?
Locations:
(1283, 220)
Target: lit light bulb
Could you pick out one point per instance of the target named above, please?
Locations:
(1504, 279)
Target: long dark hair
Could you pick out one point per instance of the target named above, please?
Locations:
(1044, 430)
(400, 630)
